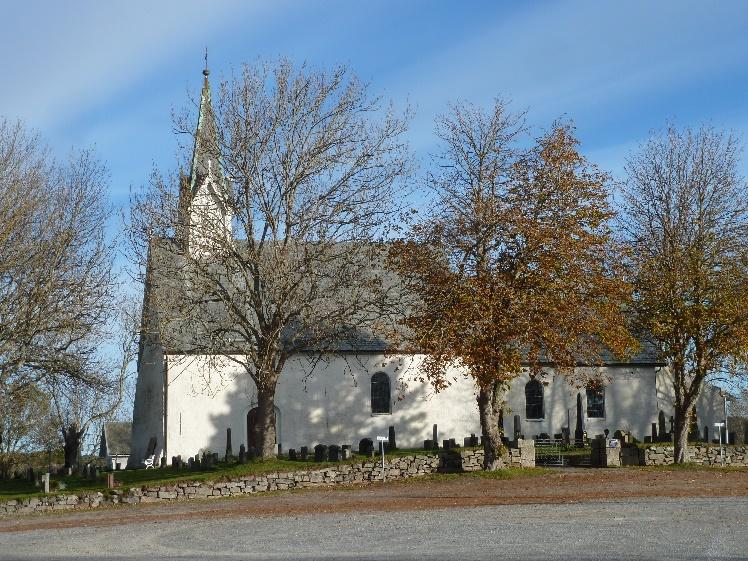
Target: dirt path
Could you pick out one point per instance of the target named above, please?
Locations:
(562, 486)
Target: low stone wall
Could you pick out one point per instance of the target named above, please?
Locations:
(403, 467)
(698, 454)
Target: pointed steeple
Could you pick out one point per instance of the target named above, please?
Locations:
(205, 157)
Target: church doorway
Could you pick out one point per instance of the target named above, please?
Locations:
(252, 438)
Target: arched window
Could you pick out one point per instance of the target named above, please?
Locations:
(380, 393)
(596, 402)
(534, 400)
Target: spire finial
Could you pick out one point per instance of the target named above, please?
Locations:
(206, 71)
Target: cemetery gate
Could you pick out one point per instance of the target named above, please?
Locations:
(562, 453)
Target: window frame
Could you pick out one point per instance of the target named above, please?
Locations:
(601, 391)
(534, 382)
(380, 378)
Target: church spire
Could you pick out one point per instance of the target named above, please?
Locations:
(205, 160)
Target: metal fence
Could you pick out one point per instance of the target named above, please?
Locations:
(558, 452)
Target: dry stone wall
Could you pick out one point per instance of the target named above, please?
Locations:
(698, 454)
(453, 460)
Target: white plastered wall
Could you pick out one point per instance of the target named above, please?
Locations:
(630, 402)
(330, 406)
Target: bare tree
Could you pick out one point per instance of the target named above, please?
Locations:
(272, 250)
(21, 426)
(55, 265)
(512, 267)
(685, 216)
(77, 406)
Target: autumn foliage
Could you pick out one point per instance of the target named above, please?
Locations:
(514, 267)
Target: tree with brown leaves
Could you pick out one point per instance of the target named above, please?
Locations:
(685, 217)
(514, 265)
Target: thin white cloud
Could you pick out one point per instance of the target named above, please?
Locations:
(60, 57)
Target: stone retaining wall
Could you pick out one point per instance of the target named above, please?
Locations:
(403, 467)
(699, 454)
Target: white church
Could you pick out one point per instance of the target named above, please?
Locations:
(184, 402)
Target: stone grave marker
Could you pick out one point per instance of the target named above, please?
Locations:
(517, 427)
(242, 454)
(292, 454)
(45, 482)
(304, 453)
(366, 446)
(229, 450)
(333, 452)
(320, 453)
(391, 439)
(654, 432)
(434, 434)
(661, 430)
(346, 452)
(428, 444)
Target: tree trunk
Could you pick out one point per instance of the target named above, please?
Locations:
(490, 401)
(71, 445)
(680, 428)
(265, 437)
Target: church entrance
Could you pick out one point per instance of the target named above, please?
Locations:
(252, 437)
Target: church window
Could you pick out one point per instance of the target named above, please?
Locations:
(534, 400)
(596, 402)
(380, 393)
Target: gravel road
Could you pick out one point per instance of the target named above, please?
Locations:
(685, 528)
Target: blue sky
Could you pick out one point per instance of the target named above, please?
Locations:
(110, 73)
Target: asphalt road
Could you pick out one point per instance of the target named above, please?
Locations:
(694, 528)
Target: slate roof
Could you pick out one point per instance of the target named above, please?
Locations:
(115, 440)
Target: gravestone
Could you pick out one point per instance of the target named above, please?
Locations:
(473, 440)
(191, 463)
(292, 454)
(163, 461)
(661, 430)
(242, 454)
(346, 454)
(445, 444)
(706, 433)
(333, 452)
(229, 450)
(517, 427)
(87, 471)
(110, 481)
(453, 443)
(251, 453)
(366, 446)
(215, 458)
(579, 429)
(391, 439)
(672, 424)
(304, 453)
(68, 471)
(654, 432)
(320, 453)
(280, 450)
(45, 482)
(428, 444)
(435, 434)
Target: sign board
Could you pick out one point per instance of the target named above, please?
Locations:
(383, 439)
(613, 443)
